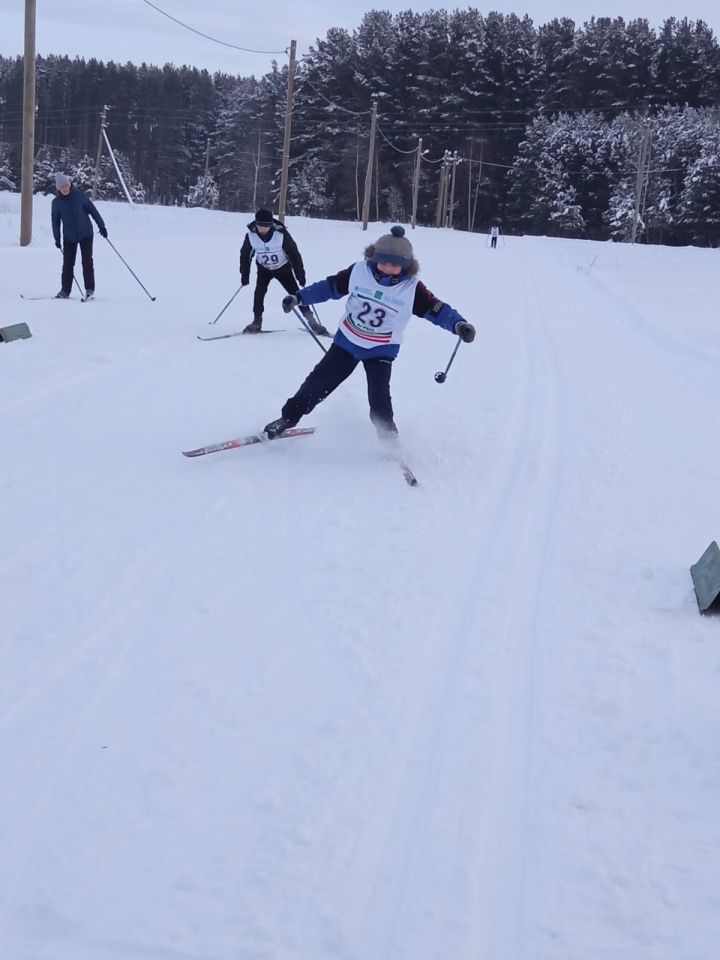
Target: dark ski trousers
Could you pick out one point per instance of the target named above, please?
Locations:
(493, 242)
(336, 366)
(69, 255)
(286, 277)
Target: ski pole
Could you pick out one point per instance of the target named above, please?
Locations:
(302, 320)
(226, 305)
(130, 269)
(441, 375)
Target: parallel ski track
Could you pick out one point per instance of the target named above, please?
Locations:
(515, 523)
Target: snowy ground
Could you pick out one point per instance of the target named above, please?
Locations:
(275, 704)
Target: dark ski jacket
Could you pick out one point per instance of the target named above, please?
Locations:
(425, 305)
(288, 245)
(74, 212)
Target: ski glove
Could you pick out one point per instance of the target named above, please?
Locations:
(103, 232)
(301, 279)
(466, 331)
(289, 303)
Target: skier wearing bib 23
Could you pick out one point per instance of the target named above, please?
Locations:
(383, 292)
(277, 256)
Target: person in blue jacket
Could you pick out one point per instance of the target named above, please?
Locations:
(383, 292)
(72, 208)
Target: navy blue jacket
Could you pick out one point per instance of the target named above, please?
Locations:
(74, 212)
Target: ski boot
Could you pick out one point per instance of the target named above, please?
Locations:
(317, 328)
(255, 326)
(275, 428)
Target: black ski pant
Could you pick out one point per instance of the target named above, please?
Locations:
(69, 255)
(493, 242)
(286, 277)
(336, 366)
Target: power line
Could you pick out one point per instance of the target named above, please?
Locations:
(336, 106)
(414, 149)
(207, 36)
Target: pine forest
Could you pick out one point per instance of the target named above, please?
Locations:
(597, 131)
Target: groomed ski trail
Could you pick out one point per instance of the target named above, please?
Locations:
(472, 733)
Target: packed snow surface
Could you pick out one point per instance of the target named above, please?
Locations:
(274, 703)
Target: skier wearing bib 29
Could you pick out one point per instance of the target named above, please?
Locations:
(277, 256)
(383, 292)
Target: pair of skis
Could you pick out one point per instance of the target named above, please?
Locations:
(254, 438)
(82, 299)
(240, 333)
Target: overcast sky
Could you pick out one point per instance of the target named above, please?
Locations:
(123, 30)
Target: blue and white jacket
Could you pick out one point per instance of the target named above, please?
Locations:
(382, 299)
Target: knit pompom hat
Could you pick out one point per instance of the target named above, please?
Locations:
(393, 247)
(61, 180)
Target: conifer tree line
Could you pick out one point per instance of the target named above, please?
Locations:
(546, 126)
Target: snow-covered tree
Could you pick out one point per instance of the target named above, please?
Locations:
(204, 193)
(45, 167)
(395, 203)
(620, 215)
(7, 173)
(700, 199)
(308, 188)
(82, 173)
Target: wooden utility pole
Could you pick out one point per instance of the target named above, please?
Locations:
(438, 205)
(357, 176)
(257, 170)
(98, 157)
(470, 166)
(416, 183)
(477, 186)
(28, 133)
(442, 213)
(207, 158)
(288, 131)
(643, 173)
(454, 162)
(446, 182)
(369, 171)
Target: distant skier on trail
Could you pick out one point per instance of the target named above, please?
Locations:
(277, 257)
(494, 234)
(383, 292)
(72, 209)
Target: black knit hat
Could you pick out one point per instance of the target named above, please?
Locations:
(395, 248)
(263, 218)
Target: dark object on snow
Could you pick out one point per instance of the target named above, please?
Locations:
(17, 331)
(706, 580)
(441, 375)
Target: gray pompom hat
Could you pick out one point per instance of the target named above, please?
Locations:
(394, 247)
(61, 180)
